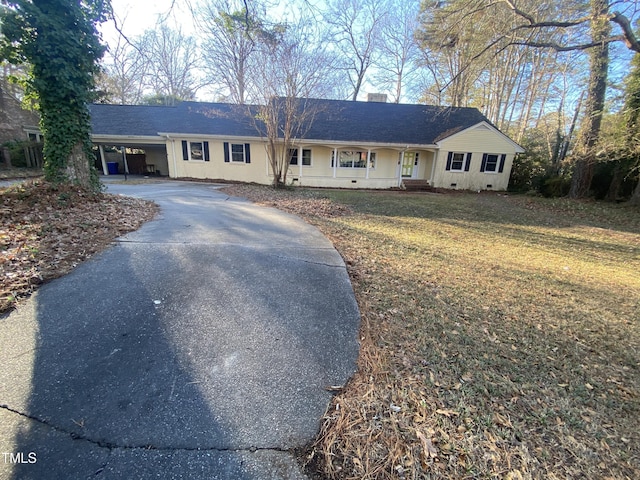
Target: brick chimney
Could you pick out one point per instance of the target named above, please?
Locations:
(377, 97)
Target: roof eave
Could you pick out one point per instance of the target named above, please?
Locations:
(109, 138)
(518, 148)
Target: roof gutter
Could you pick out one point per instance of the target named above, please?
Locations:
(305, 141)
(104, 138)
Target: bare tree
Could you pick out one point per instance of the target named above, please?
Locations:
(398, 48)
(172, 59)
(356, 30)
(124, 71)
(292, 73)
(563, 27)
(231, 35)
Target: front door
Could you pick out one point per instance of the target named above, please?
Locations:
(409, 164)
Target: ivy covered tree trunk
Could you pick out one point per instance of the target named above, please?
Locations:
(594, 105)
(59, 41)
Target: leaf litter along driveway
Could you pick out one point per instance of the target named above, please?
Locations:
(203, 342)
(500, 335)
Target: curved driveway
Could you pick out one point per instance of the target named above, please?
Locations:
(199, 346)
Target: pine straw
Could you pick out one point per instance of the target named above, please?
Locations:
(500, 336)
(46, 231)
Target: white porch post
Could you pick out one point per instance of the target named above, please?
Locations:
(368, 162)
(105, 170)
(433, 166)
(400, 165)
(124, 159)
(300, 161)
(335, 162)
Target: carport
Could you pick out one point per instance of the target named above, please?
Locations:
(113, 150)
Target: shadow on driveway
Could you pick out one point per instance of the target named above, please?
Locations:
(202, 359)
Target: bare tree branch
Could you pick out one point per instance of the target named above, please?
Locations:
(628, 36)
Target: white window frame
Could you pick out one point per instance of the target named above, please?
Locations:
(296, 150)
(453, 156)
(370, 159)
(189, 150)
(231, 153)
(497, 167)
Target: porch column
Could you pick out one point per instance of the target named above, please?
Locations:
(105, 170)
(124, 159)
(368, 161)
(400, 164)
(335, 162)
(433, 166)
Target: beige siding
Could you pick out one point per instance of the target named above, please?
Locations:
(216, 167)
(478, 141)
(157, 156)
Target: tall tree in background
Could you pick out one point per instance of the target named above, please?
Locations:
(632, 123)
(124, 73)
(59, 41)
(398, 48)
(231, 34)
(570, 25)
(292, 71)
(584, 152)
(171, 60)
(356, 30)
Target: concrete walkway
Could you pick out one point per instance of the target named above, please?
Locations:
(199, 346)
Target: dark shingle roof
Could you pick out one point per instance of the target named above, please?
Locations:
(335, 120)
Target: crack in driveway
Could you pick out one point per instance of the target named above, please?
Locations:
(114, 446)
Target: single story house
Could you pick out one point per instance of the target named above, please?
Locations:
(347, 144)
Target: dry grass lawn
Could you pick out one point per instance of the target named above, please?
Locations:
(500, 336)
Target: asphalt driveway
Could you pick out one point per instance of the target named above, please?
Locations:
(199, 346)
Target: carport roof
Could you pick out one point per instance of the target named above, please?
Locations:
(335, 121)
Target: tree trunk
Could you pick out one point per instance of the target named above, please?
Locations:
(594, 105)
(616, 182)
(635, 198)
(78, 169)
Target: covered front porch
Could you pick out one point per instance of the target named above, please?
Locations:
(360, 165)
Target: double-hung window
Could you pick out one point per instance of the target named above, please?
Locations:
(195, 151)
(493, 163)
(306, 157)
(458, 161)
(237, 152)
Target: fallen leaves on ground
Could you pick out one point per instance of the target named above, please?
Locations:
(499, 336)
(47, 230)
(305, 202)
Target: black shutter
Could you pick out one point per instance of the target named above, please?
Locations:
(468, 162)
(205, 147)
(185, 150)
(484, 162)
(449, 158)
(226, 151)
(503, 158)
(247, 153)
